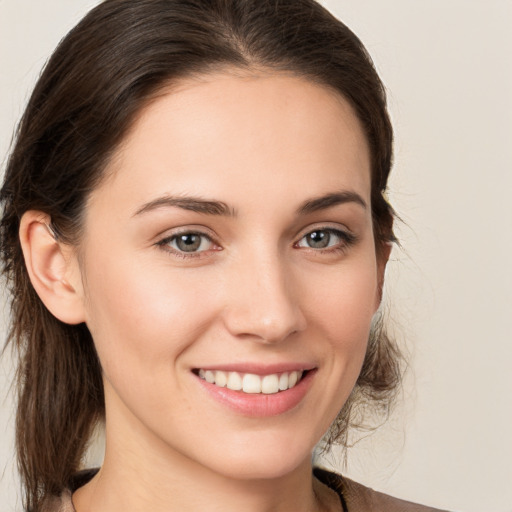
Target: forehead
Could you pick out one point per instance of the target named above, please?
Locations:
(252, 131)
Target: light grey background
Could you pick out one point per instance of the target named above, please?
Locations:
(447, 66)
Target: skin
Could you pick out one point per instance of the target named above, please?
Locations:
(255, 291)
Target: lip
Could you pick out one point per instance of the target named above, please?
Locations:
(259, 405)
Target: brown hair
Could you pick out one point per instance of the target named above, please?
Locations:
(100, 76)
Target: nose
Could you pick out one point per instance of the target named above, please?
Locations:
(262, 301)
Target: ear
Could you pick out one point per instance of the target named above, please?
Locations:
(53, 268)
(383, 253)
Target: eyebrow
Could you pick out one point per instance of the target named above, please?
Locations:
(194, 204)
(210, 207)
(329, 200)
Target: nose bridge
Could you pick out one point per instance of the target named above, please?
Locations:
(261, 298)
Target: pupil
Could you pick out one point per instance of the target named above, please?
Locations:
(318, 239)
(188, 243)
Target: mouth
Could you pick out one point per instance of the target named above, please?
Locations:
(251, 383)
(257, 391)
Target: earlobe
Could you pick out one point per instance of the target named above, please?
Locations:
(52, 268)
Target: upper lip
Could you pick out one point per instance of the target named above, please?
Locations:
(258, 368)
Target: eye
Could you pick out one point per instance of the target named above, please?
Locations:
(187, 242)
(326, 238)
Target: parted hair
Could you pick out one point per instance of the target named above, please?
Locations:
(119, 57)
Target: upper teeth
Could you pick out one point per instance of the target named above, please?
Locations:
(251, 383)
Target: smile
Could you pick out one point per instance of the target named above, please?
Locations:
(252, 383)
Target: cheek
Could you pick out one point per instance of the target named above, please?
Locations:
(341, 308)
(344, 301)
(142, 319)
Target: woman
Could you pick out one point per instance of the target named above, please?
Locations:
(195, 233)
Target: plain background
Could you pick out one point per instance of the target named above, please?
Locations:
(447, 66)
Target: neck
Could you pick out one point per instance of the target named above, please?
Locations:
(126, 485)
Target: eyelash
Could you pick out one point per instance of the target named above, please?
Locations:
(165, 243)
(347, 239)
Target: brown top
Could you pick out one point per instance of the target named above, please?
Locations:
(358, 498)
(354, 497)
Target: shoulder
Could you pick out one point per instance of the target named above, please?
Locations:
(359, 498)
(365, 499)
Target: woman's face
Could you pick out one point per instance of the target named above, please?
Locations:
(232, 241)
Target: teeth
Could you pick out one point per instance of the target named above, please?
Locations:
(283, 381)
(221, 379)
(251, 383)
(234, 381)
(270, 384)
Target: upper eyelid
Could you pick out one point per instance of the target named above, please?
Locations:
(344, 235)
(324, 227)
(196, 230)
(173, 236)
(188, 232)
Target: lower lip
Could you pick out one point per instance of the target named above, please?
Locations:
(260, 404)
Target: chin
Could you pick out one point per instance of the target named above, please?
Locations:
(261, 460)
(262, 469)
